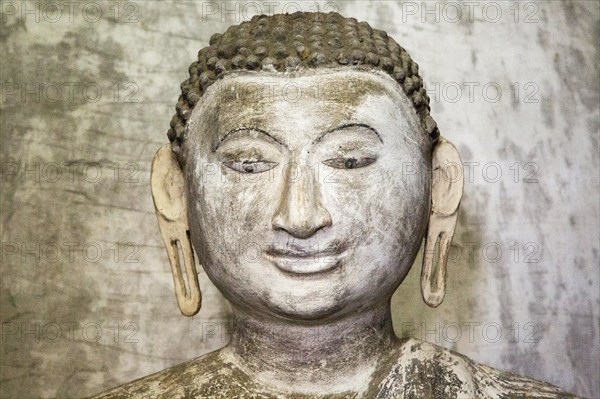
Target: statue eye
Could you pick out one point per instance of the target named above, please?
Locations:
(247, 166)
(349, 163)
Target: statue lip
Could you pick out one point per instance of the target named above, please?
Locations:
(296, 259)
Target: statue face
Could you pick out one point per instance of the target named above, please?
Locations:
(308, 195)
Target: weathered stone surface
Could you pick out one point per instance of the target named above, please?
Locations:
(558, 134)
(415, 370)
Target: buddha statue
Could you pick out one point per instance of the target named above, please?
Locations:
(285, 174)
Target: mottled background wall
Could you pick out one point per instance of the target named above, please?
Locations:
(88, 89)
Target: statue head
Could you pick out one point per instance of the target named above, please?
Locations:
(302, 170)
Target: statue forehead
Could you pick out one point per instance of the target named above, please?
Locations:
(340, 94)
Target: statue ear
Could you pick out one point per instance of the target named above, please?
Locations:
(170, 205)
(446, 193)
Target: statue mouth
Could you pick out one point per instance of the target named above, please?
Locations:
(304, 261)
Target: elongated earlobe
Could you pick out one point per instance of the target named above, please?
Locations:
(446, 193)
(171, 210)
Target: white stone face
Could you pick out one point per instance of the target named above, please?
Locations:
(308, 198)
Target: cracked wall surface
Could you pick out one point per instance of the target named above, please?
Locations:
(88, 90)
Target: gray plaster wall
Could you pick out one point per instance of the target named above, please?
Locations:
(88, 89)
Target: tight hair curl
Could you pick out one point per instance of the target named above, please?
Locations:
(292, 42)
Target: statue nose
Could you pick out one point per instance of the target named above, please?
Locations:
(300, 210)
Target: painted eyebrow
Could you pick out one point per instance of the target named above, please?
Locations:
(346, 126)
(237, 129)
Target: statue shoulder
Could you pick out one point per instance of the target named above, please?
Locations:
(424, 370)
(180, 381)
(415, 370)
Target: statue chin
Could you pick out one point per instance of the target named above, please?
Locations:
(307, 212)
(317, 313)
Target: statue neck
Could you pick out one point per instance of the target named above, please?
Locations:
(342, 354)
